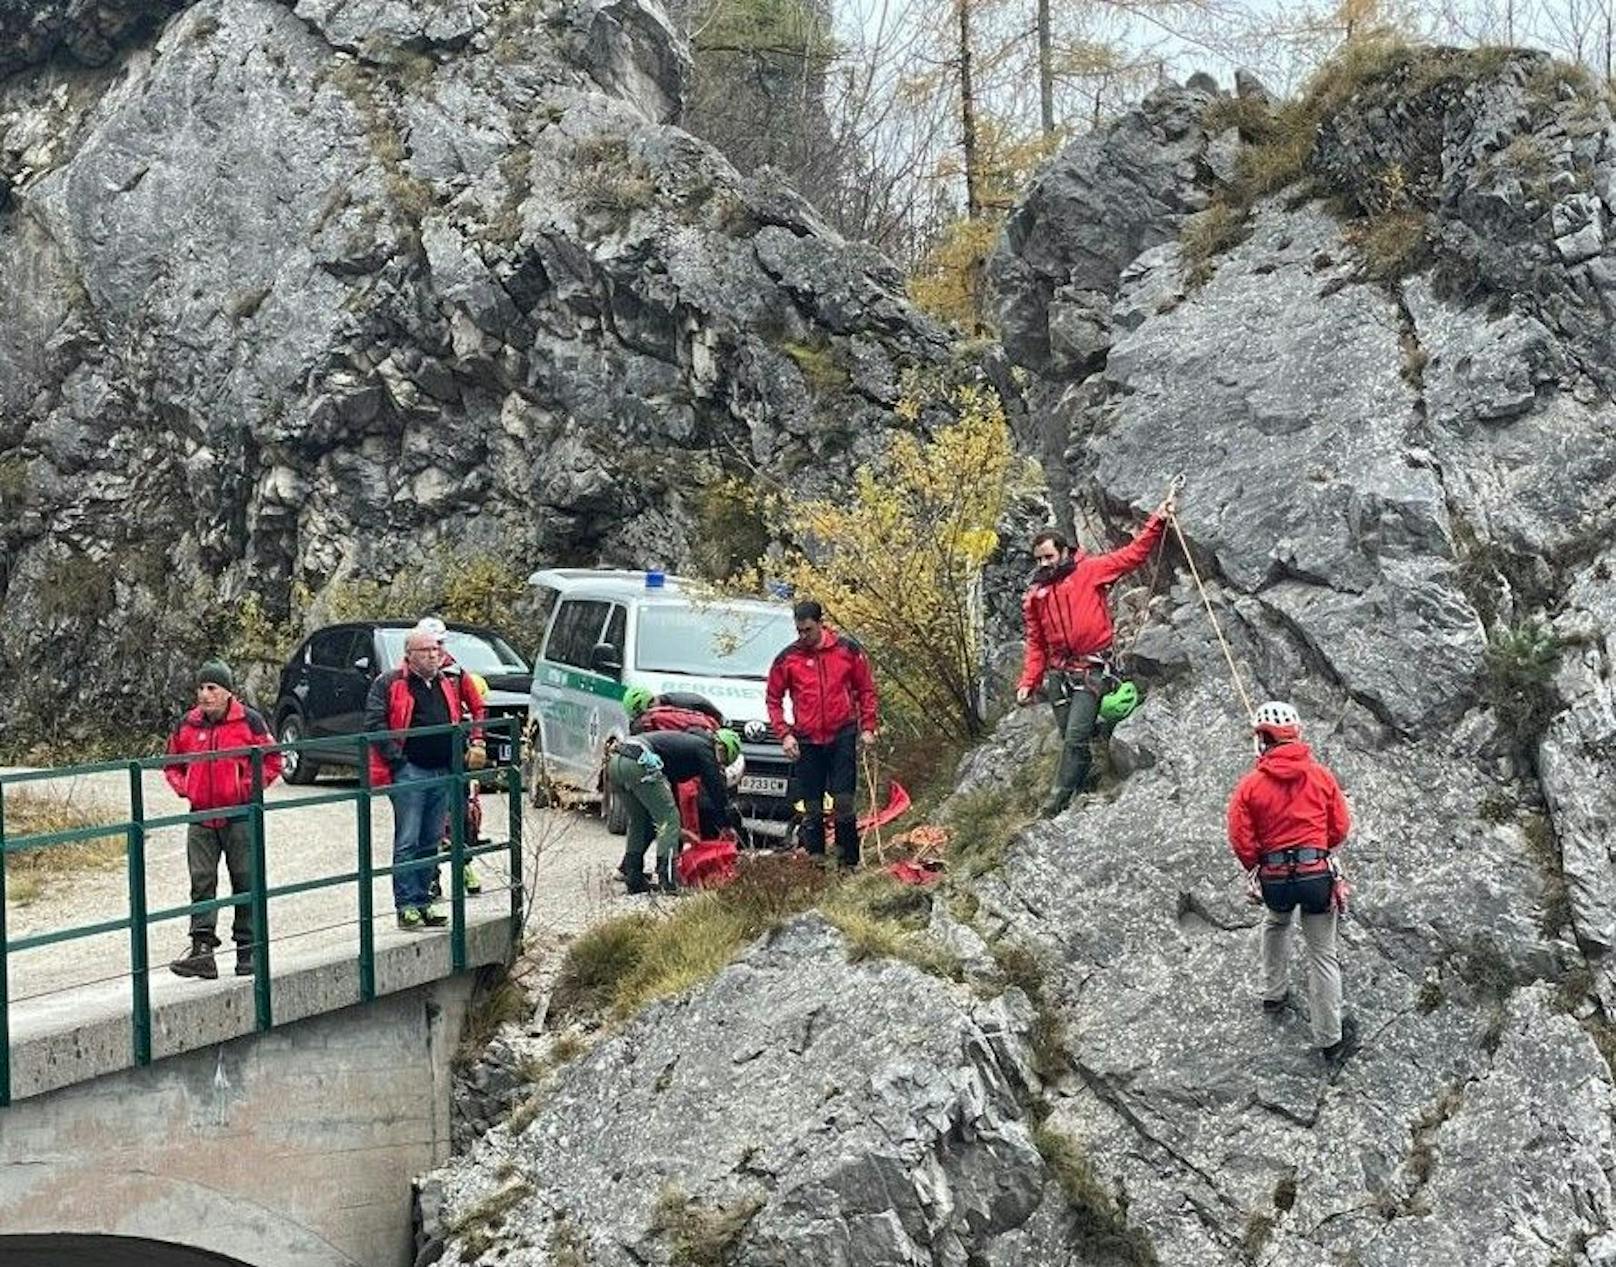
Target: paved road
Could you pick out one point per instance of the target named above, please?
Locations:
(568, 865)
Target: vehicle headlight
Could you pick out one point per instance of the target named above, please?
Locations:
(756, 731)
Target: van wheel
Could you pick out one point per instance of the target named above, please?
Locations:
(613, 809)
(296, 766)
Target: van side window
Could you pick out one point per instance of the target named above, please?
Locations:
(575, 631)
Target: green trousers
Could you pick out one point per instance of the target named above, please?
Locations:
(652, 810)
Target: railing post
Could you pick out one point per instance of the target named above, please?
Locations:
(513, 784)
(457, 850)
(367, 922)
(262, 1009)
(5, 958)
(135, 856)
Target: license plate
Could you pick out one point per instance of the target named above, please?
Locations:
(757, 785)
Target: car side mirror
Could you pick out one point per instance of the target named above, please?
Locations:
(605, 659)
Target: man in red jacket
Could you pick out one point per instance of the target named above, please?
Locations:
(417, 695)
(1286, 819)
(219, 722)
(827, 675)
(1069, 636)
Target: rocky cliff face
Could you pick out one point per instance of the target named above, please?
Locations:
(299, 293)
(1392, 473)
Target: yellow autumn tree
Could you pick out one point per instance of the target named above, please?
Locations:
(897, 561)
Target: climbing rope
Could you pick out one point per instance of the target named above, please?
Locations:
(1234, 672)
(875, 807)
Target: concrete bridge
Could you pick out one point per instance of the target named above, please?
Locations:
(292, 1147)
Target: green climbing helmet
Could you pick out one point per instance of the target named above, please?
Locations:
(636, 700)
(730, 742)
(1119, 703)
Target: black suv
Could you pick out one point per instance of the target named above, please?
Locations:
(324, 684)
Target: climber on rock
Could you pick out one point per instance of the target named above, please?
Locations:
(1286, 819)
(1069, 635)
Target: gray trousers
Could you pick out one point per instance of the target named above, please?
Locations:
(1323, 967)
(203, 847)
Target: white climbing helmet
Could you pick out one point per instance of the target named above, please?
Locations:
(1277, 720)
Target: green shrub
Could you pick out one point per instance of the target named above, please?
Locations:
(816, 361)
(1521, 662)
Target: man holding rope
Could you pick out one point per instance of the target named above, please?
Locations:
(1069, 634)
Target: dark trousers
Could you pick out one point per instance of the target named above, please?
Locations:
(831, 767)
(1075, 700)
(203, 847)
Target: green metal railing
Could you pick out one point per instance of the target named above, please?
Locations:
(138, 827)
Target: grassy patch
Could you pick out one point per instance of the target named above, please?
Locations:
(1259, 1227)
(1024, 970)
(1100, 1225)
(1394, 244)
(1208, 234)
(882, 918)
(609, 180)
(621, 965)
(77, 587)
(499, 1003)
(983, 823)
(1253, 119)
(478, 1225)
(699, 1236)
(31, 872)
(1555, 916)
(566, 1246)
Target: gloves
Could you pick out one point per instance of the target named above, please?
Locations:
(1340, 888)
(476, 757)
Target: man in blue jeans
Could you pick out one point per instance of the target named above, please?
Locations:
(418, 694)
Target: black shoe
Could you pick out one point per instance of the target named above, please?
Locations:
(636, 883)
(198, 963)
(664, 876)
(1273, 1007)
(1336, 1054)
(244, 961)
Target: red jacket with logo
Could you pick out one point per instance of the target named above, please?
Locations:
(1069, 618)
(1288, 799)
(227, 781)
(831, 688)
(389, 706)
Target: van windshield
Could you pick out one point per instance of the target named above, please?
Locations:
(711, 640)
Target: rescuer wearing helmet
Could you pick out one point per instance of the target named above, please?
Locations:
(643, 770)
(1286, 819)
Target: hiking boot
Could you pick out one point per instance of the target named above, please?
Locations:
(474, 882)
(433, 917)
(1336, 1054)
(411, 920)
(199, 962)
(634, 884)
(244, 961)
(1273, 1007)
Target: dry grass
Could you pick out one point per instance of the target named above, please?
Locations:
(1207, 234)
(31, 872)
(701, 1237)
(1099, 1225)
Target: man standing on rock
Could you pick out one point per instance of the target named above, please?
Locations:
(833, 711)
(1069, 635)
(416, 695)
(1286, 819)
(219, 722)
